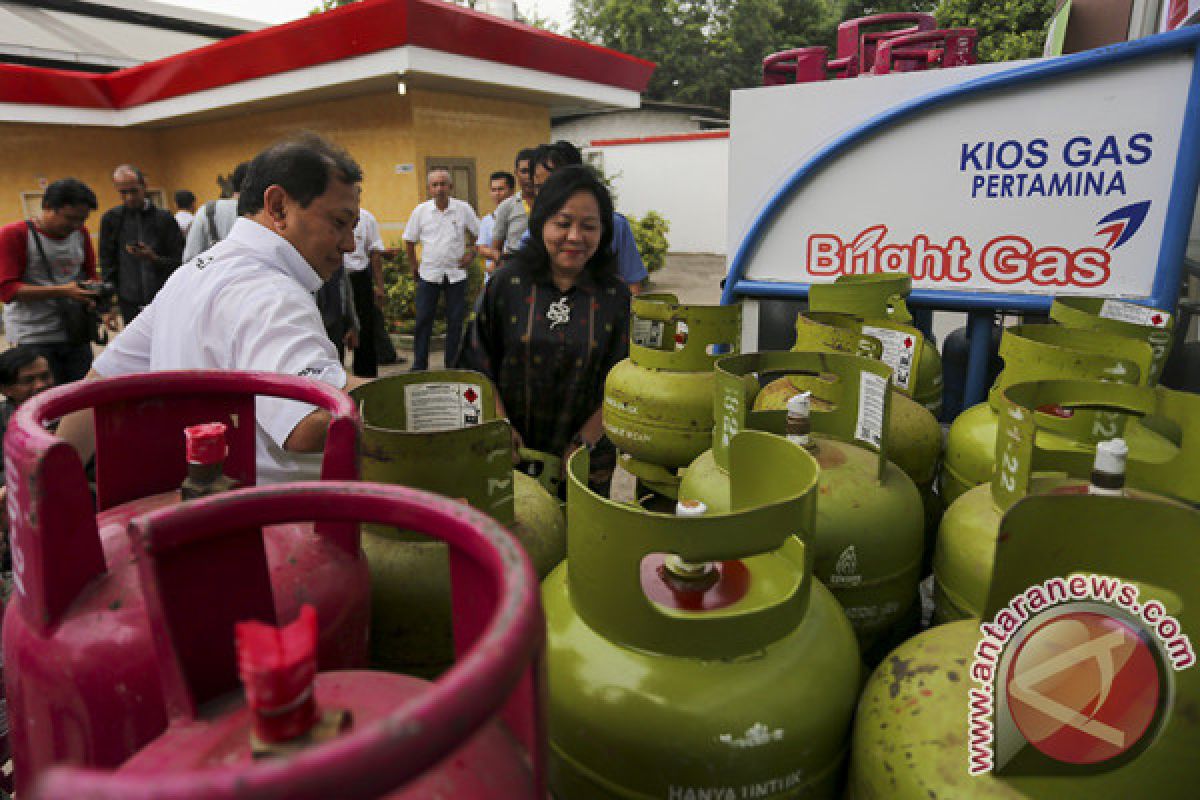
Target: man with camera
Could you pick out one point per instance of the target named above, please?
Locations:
(140, 244)
(47, 280)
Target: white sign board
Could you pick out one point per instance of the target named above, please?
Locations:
(1056, 187)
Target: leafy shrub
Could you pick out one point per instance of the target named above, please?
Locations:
(650, 232)
(400, 308)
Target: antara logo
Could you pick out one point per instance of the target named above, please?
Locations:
(1006, 260)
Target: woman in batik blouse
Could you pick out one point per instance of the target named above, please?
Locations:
(553, 320)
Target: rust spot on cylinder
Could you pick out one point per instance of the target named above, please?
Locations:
(829, 456)
(902, 670)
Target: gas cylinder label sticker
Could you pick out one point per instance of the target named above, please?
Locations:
(648, 333)
(442, 406)
(871, 392)
(1132, 312)
(897, 352)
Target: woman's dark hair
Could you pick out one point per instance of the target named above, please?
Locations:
(553, 196)
(15, 359)
(68, 192)
(302, 166)
(185, 198)
(559, 154)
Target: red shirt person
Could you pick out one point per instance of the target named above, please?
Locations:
(43, 262)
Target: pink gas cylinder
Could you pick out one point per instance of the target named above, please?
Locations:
(477, 733)
(801, 65)
(940, 49)
(80, 672)
(858, 38)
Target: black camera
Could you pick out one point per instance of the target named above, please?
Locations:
(105, 292)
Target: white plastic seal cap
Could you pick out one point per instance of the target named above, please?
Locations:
(1111, 457)
(799, 405)
(690, 508)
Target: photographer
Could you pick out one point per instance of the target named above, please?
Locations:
(140, 244)
(44, 263)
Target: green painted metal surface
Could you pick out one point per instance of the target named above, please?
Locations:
(1036, 463)
(658, 402)
(914, 435)
(750, 700)
(878, 300)
(911, 730)
(1050, 352)
(437, 431)
(869, 540)
(1156, 328)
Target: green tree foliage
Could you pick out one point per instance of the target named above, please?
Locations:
(672, 33)
(329, 5)
(650, 233)
(1008, 29)
(704, 48)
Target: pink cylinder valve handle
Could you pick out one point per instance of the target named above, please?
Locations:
(499, 635)
(951, 47)
(801, 65)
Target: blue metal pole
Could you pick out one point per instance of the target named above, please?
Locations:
(979, 339)
(923, 321)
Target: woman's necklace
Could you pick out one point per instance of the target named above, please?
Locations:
(559, 313)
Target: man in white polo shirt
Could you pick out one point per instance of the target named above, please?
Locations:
(247, 303)
(440, 225)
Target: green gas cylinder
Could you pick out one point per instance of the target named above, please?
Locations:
(1042, 450)
(914, 434)
(1051, 682)
(438, 431)
(869, 539)
(1050, 352)
(880, 301)
(1151, 325)
(738, 680)
(658, 402)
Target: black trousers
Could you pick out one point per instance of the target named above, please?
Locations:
(366, 362)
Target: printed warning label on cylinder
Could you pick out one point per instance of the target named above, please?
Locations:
(898, 348)
(1132, 312)
(871, 391)
(442, 406)
(647, 333)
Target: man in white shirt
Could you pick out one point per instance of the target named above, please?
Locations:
(247, 304)
(364, 266)
(185, 201)
(440, 225)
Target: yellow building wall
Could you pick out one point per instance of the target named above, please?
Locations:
(390, 135)
(375, 129)
(44, 153)
(489, 131)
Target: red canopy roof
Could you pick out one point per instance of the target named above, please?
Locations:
(357, 29)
